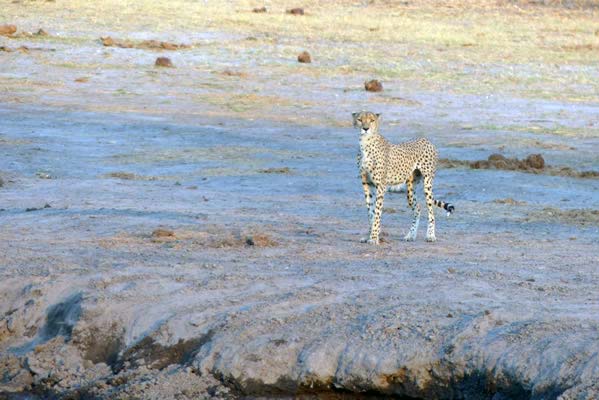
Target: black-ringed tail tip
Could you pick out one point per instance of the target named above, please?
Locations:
(446, 206)
(449, 207)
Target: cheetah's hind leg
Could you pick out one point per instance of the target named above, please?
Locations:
(413, 203)
(428, 193)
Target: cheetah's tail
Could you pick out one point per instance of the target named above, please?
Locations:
(446, 206)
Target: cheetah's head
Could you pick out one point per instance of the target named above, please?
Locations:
(367, 121)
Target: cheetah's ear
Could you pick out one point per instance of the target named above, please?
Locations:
(378, 115)
(354, 114)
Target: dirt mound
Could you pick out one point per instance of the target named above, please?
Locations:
(22, 49)
(260, 240)
(164, 62)
(7, 30)
(567, 171)
(534, 163)
(30, 209)
(31, 35)
(295, 11)
(498, 161)
(373, 86)
(304, 57)
(144, 44)
(235, 239)
(161, 233)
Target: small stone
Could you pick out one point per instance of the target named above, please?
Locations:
(164, 62)
(296, 11)
(449, 315)
(83, 79)
(373, 86)
(259, 10)
(41, 32)
(487, 312)
(304, 57)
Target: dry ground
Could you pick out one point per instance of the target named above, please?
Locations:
(193, 232)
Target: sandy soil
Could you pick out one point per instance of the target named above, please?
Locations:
(193, 232)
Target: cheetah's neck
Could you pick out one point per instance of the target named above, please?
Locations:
(369, 139)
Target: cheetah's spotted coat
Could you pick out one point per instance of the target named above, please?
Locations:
(383, 165)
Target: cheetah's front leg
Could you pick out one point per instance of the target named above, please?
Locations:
(378, 211)
(370, 207)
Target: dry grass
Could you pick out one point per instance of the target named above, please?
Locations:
(460, 30)
(480, 47)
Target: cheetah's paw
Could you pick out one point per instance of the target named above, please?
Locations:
(409, 237)
(431, 238)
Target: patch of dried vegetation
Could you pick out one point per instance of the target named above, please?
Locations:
(533, 163)
(108, 41)
(583, 216)
(213, 237)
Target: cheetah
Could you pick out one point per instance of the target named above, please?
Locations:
(383, 165)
